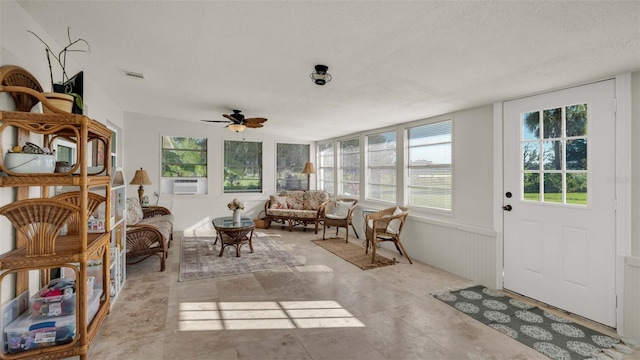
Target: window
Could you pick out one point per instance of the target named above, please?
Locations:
(429, 165)
(349, 181)
(65, 153)
(554, 155)
(184, 156)
(242, 167)
(290, 160)
(381, 166)
(325, 168)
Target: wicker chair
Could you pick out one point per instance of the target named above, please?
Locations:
(40, 221)
(73, 197)
(149, 235)
(338, 213)
(386, 225)
(14, 79)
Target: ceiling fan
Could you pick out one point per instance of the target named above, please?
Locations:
(237, 121)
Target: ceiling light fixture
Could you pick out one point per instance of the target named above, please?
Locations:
(237, 127)
(320, 76)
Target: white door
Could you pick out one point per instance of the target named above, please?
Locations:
(559, 183)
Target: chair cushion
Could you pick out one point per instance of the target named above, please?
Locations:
(162, 223)
(293, 213)
(341, 210)
(394, 225)
(133, 211)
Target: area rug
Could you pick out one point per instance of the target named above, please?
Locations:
(199, 258)
(550, 334)
(352, 253)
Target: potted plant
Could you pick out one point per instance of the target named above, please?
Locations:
(59, 89)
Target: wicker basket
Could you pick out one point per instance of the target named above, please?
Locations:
(261, 221)
(40, 221)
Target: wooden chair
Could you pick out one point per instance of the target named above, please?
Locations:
(338, 213)
(386, 225)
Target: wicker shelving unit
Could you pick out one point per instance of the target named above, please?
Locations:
(73, 250)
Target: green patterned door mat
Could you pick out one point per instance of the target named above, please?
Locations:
(552, 335)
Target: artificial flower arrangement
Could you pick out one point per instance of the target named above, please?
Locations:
(235, 204)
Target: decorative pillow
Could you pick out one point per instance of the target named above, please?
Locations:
(133, 211)
(278, 202)
(394, 225)
(341, 210)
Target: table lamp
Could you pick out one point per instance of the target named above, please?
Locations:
(140, 178)
(309, 169)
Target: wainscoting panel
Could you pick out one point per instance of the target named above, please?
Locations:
(466, 251)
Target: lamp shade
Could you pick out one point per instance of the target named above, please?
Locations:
(309, 168)
(237, 127)
(140, 178)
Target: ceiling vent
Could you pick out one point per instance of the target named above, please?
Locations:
(133, 74)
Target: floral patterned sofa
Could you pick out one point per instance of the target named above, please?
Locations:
(149, 231)
(296, 207)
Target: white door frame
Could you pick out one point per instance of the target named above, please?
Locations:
(622, 177)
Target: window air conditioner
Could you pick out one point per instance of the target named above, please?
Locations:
(185, 187)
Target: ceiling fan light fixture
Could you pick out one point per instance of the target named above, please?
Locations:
(320, 76)
(237, 127)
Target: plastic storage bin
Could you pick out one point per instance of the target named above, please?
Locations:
(52, 306)
(46, 307)
(27, 333)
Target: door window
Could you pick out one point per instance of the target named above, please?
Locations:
(554, 155)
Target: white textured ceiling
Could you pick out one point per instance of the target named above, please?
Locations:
(391, 61)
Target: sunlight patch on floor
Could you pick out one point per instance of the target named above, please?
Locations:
(259, 315)
(313, 268)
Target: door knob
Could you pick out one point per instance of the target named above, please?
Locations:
(507, 208)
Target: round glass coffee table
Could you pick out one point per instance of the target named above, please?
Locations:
(233, 234)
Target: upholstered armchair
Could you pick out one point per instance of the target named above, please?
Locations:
(338, 213)
(386, 225)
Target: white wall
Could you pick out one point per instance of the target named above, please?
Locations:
(635, 150)
(465, 242)
(632, 262)
(23, 49)
(142, 142)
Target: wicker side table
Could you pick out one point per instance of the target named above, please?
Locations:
(234, 234)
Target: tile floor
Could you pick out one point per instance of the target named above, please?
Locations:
(396, 316)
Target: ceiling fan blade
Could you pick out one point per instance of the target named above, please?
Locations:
(255, 120)
(216, 121)
(254, 125)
